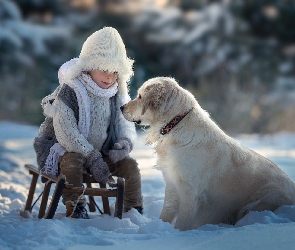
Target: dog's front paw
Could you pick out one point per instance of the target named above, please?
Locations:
(167, 216)
(181, 226)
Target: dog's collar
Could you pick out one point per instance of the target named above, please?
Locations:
(167, 128)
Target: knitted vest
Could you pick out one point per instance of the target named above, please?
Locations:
(43, 142)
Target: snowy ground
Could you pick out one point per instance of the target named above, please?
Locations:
(258, 230)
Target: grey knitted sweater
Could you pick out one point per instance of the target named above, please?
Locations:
(116, 127)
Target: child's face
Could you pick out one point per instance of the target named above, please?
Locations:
(103, 79)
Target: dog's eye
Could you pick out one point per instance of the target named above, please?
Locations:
(139, 96)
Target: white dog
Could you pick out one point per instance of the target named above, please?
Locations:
(210, 178)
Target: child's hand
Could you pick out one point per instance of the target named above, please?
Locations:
(97, 167)
(121, 150)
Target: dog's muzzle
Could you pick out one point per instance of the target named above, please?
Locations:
(122, 109)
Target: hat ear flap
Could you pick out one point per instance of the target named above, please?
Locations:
(69, 70)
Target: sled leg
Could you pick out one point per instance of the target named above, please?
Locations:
(55, 198)
(91, 203)
(44, 199)
(119, 198)
(31, 191)
(105, 202)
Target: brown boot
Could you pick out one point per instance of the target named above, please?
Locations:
(79, 213)
(71, 165)
(69, 209)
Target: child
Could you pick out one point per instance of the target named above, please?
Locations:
(84, 127)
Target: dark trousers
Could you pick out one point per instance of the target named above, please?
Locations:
(72, 166)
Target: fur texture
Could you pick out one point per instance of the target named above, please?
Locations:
(210, 177)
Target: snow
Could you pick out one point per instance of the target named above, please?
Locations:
(257, 230)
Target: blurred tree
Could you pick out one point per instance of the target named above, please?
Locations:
(229, 54)
(29, 59)
(237, 57)
(42, 11)
(269, 19)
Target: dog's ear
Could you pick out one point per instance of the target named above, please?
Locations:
(146, 105)
(154, 96)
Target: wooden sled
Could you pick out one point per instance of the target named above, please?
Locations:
(115, 190)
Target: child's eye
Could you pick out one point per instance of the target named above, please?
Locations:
(110, 73)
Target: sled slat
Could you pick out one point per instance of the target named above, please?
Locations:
(91, 191)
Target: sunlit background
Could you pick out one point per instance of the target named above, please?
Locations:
(237, 57)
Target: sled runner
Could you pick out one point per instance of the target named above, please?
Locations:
(115, 189)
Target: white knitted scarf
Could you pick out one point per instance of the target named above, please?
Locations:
(80, 85)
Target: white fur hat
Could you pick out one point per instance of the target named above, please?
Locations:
(103, 50)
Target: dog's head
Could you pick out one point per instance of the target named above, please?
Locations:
(156, 97)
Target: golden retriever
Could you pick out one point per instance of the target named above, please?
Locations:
(210, 178)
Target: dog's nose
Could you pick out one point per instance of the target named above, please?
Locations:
(122, 108)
